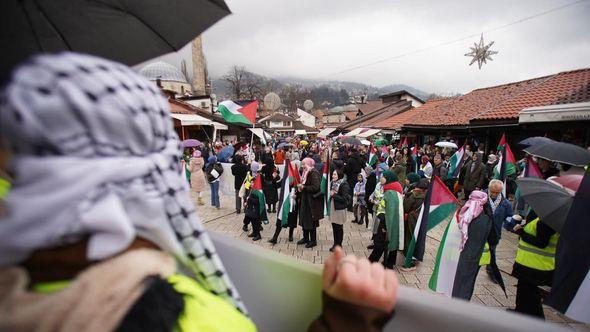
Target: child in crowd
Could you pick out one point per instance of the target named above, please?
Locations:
(359, 205)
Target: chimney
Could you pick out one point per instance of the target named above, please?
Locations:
(198, 67)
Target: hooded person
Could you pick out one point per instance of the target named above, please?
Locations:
(390, 232)
(213, 170)
(312, 202)
(114, 242)
(195, 167)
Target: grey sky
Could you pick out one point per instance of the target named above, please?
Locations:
(315, 39)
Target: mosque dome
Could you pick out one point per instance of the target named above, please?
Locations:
(164, 71)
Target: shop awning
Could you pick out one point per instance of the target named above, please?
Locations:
(300, 132)
(326, 132)
(197, 120)
(355, 132)
(368, 133)
(554, 113)
(263, 135)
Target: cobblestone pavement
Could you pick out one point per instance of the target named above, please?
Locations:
(356, 240)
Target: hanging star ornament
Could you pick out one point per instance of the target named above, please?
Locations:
(481, 53)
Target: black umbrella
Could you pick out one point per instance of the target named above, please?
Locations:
(535, 140)
(550, 201)
(127, 31)
(351, 140)
(561, 152)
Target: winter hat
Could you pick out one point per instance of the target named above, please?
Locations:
(413, 177)
(389, 177)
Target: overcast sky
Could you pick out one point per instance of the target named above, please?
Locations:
(319, 38)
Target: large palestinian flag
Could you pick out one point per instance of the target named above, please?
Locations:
(286, 202)
(325, 186)
(238, 112)
(257, 191)
(456, 163)
(570, 291)
(439, 206)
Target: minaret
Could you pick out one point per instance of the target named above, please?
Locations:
(198, 67)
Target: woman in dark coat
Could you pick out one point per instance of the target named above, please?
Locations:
(339, 197)
(270, 184)
(312, 203)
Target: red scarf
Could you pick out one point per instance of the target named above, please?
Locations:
(393, 186)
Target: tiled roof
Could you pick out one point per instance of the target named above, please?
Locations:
(350, 115)
(400, 119)
(371, 106)
(566, 87)
(373, 119)
(458, 111)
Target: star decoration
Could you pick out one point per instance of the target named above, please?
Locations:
(481, 53)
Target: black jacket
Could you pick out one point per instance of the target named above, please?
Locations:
(342, 197)
(370, 187)
(239, 172)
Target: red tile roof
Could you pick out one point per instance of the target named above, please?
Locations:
(374, 119)
(566, 87)
(371, 106)
(400, 119)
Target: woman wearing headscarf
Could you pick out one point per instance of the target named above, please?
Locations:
(390, 213)
(312, 203)
(114, 242)
(339, 197)
(475, 223)
(214, 169)
(195, 167)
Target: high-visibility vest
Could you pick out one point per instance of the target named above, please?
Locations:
(542, 259)
(486, 256)
(4, 188)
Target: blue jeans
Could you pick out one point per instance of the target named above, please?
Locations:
(214, 193)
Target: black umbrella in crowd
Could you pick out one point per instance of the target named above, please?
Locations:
(550, 201)
(127, 31)
(535, 140)
(561, 152)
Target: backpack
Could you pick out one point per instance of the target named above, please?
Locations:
(214, 171)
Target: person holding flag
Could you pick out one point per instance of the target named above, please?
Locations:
(506, 170)
(288, 203)
(339, 198)
(312, 203)
(256, 209)
(390, 211)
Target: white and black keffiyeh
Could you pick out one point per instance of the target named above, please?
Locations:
(95, 154)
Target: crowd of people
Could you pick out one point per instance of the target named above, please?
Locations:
(386, 196)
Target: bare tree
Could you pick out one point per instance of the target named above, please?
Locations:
(293, 96)
(235, 80)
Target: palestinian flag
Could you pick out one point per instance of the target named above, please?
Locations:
(238, 111)
(456, 163)
(394, 218)
(507, 164)
(439, 206)
(325, 186)
(570, 291)
(286, 203)
(257, 191)
(373, 156)
(531, 170)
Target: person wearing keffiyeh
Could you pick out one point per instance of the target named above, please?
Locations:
(101, 234)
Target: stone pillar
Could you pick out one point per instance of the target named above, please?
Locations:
(198, 67)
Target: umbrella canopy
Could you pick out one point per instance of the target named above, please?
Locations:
(126, 31)
(535, 140)
(225, 153)
(365, 142)
(350, 140)
(303, 142)
(444, 144)
(191, 143)
(550, 201)
(381, 141)
(561, 152)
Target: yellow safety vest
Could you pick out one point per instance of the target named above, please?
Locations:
(542, 259)
(203, 311)
(486, 256)
(248, 181)
(4, 188)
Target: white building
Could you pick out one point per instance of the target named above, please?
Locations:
(170, 77)
(306, 118)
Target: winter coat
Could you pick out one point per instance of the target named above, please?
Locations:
(195, 166)
(270, 188)
(312, 201)
(342, 197)
(400, 170)
(369, 188)
(215, 166)
(239, 172)
(441, 171)
(503, 211)
(475, 179)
